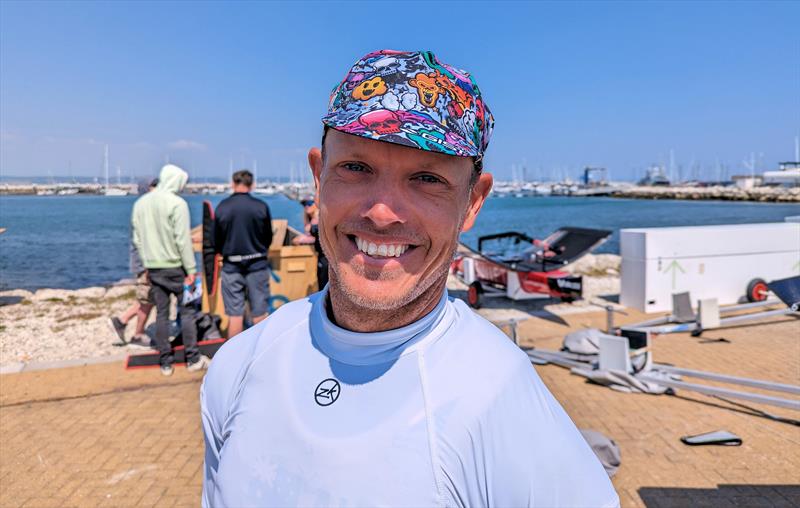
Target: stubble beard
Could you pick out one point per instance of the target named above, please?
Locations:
(438, 275)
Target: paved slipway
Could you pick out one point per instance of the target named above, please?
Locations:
(98, 435)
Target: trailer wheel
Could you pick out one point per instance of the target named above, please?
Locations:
(567, 299)
(474, 295)
(756, 290)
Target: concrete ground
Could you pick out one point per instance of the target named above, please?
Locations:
(98, 435)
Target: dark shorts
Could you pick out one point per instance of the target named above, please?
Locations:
(252, 285)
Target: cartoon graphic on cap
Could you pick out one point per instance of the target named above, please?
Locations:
(427, 87)
(412, 99)
(381, 121)
(369, 88)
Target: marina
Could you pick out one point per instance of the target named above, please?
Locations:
(511, 189)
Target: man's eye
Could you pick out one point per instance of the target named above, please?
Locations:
(354, 166)
(429, 179)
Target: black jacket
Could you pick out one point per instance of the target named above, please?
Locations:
(242, 226)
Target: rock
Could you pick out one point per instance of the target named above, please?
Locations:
(22, 293)
(120, 291)
(605, 262)
(584, 265)
(93, 292)
(51, 294)
(596, 264)
(600, 286)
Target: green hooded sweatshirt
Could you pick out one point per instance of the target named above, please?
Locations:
(160, 220)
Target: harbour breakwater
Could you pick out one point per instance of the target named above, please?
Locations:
(719, 193)
(295, 191)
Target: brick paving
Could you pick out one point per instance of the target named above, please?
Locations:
(110, 438)
(102, 436)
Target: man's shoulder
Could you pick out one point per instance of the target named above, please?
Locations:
(477, 341)
(249, 343)
(247, 346)
(144, 202)
(143, 199)
(257, 202)
(475, 364)
(225, 203)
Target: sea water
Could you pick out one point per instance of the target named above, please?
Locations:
(79, 241)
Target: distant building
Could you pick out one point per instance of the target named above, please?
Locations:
(747, 181)
(788, 175)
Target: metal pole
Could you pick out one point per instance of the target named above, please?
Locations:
(711, 376)
(751, 305)
(723, 392)
(555, 358)
(651, 322)
(689, 327)
(748, 317)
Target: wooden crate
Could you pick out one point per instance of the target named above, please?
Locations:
(294, 265)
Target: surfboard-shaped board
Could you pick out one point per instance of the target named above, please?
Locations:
(211, 260)
(145, 360)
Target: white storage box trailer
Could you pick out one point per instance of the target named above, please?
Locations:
(722, 262)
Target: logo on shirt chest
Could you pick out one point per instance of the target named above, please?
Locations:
(327, 392)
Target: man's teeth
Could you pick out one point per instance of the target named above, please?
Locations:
(383, 249)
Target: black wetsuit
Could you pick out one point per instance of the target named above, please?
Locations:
(243, 227)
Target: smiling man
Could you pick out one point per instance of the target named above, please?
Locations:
(380, 389)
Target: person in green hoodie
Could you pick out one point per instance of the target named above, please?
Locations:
(161, 235)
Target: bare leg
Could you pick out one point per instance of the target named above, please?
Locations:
(129, 313)
(235, 325)
(260, 318)
(141, 317)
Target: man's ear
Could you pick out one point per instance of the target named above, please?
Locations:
(315, 162)
(480, 191)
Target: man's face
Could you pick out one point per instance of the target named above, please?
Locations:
(390, 216)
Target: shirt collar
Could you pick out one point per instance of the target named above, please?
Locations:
(357, 348)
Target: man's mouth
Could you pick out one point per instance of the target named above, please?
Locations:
(380, 249)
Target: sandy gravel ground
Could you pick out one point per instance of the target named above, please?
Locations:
(58, 324)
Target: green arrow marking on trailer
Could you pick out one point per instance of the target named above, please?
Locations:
(674, 267)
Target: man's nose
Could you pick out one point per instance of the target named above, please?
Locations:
(383, 210)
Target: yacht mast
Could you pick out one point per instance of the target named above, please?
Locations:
(105, 165)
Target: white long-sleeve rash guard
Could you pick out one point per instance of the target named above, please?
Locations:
(443, 412)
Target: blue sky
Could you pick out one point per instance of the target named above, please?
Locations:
(570, 84)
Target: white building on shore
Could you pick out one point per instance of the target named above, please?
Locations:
(788, 175)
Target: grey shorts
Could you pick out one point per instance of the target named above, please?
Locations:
(253, 285)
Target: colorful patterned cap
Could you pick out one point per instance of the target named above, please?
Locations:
(412, 99)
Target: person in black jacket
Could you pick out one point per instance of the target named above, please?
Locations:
(242, 235)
